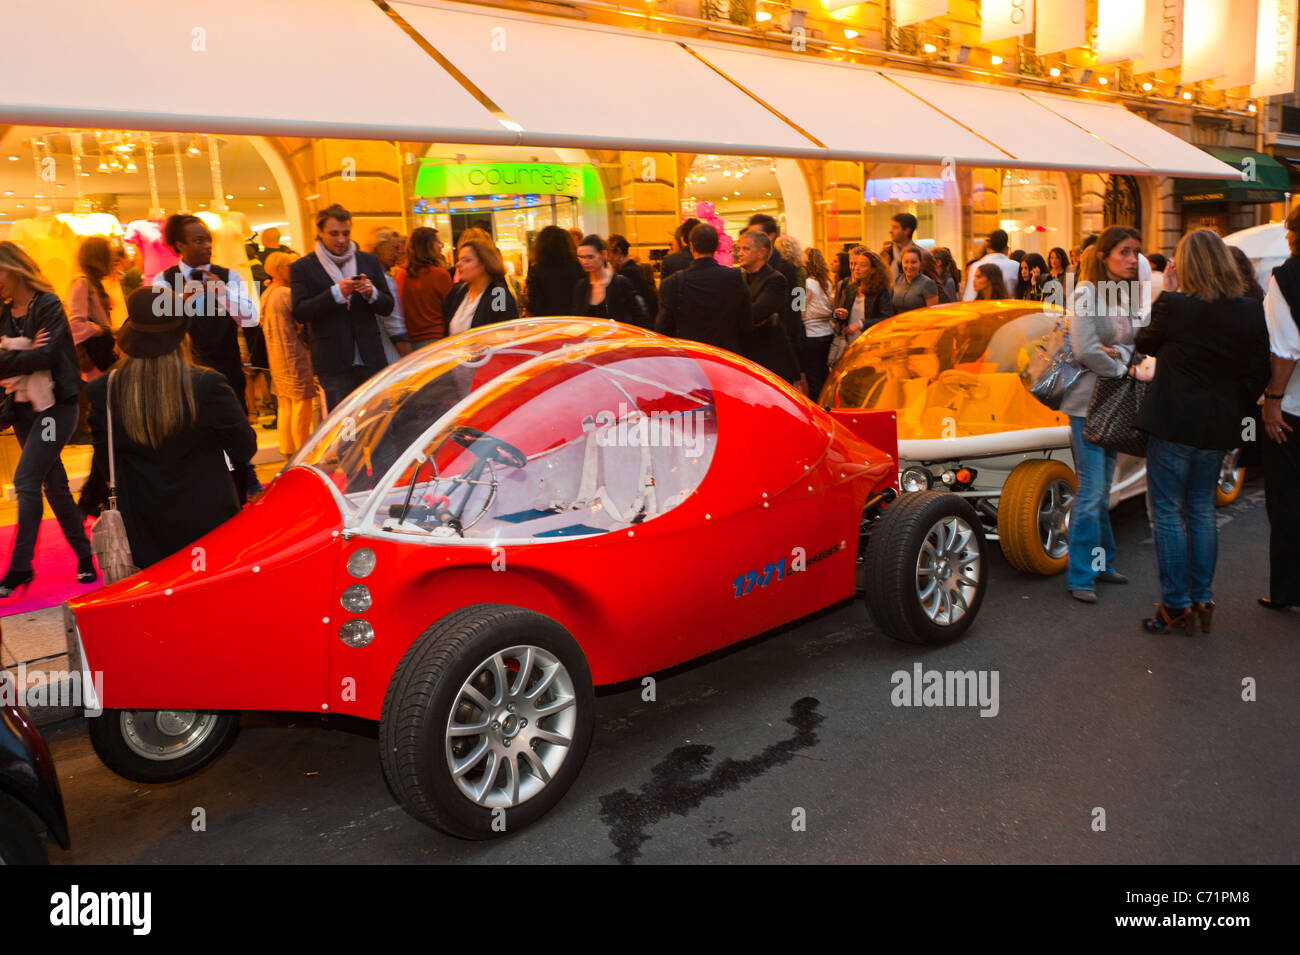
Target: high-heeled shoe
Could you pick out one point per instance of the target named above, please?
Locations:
(14, 581)
(1204, 611)
(1166, 620)
(1272, 604)
(86, 572)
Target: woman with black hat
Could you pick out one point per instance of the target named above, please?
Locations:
(43, 417)
(173, 426)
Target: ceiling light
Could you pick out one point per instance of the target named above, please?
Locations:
(1146, 87)
(762, 17)
(1251, 107)
(13, 158)
(1102, 80)
(8, 192)
(261, 188)
(1054, 71)
(931, 48)
(1187, 95)
(850, 34)
(228, 196)
(996, 60)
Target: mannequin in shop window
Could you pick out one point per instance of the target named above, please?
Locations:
(153, 254)
(602, 292)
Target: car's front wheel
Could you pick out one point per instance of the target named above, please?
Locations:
(487, 721)
(925, 568)
(160, 746)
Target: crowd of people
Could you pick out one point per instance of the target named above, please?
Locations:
(197, 348)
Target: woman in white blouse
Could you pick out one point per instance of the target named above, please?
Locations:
(817, 329)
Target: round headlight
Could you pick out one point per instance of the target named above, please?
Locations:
(356, 633)
(356, 599)
(362, 562)
(916, 479)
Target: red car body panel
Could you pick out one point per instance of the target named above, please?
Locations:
(787, 483)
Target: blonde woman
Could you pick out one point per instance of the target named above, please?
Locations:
(173, 426)
(1210, 347)
(32, 311)
(291, 378)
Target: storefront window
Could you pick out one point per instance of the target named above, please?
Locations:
(1033, 209)
(924, 191)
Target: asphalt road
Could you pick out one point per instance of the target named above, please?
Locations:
(1093, 717)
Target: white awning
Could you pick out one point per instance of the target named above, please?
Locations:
(1155, 149)
(855, 112)
(433, 72)
(594, 87)
(273, 67)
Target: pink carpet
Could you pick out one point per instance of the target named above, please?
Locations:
(56, 571)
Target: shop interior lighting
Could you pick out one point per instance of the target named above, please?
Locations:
(1251, 107)
(931, 48)
(1146, 87)
(850, 34)
(762, 16)
(1187, 94)
(1054, 71)
(995, 60)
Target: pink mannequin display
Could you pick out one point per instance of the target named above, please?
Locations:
(707, 214)
(153, 255)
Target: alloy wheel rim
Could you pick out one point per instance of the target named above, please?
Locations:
(948, 570)
(163, 735)
(511, 727)
(1229, 473)
(1054, 518)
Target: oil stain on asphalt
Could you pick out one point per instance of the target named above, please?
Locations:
(675, 786)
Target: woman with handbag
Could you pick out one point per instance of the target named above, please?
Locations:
(1101, 336)
(32, 311)
(1209, 344)
(89, 308)
(173, 424)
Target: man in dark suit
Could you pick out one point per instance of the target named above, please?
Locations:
(681, 258)
(791, 317)
(706, 301)
(766, 342)
(622, 263)
(338, 293)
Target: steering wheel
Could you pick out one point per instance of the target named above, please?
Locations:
(488, 448)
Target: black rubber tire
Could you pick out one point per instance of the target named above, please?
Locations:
(424, 688)
(19, 843)
(892, 554)
(1018, 532)
(106, 736)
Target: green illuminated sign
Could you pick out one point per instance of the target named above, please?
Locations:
(481, 179)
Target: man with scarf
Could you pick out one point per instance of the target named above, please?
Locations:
(338, 292)
(1281, 418)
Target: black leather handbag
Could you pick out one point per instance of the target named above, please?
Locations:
(1113, 414)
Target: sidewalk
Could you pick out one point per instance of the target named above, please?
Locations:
(36, 639)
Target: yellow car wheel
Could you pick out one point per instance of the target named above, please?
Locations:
(1231, 478)
(1034, 516)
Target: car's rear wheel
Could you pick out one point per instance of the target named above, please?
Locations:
(1231, 478)
(160, 746)
(487, 721)
(925, 569)
(1034, 516)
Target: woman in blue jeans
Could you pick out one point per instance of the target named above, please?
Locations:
(1211, 361)
(1101, 335)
